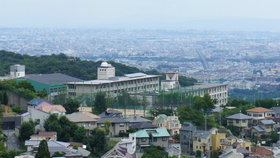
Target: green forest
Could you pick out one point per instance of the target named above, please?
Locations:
(72, 66)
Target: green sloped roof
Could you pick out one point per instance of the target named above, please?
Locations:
(175, 121)
(160, 120)
(141, 134)
(163, 115)
(161, 133)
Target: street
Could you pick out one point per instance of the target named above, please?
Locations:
(12, 141)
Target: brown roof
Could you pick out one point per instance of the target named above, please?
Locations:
(259, 109)
(51, 108)
(79, 144)
(261, 151)
(276, 119)
(44, 134)
(90, 114)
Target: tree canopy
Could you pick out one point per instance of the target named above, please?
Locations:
(155, 152)
(27, 128)
(71, 105)
(43, 150)
(100, 103)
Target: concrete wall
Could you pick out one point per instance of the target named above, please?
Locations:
(37, 114)
(238, 123)
(14, 99)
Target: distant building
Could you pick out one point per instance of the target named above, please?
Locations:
(259, 113)
(239, 120)
(17, 71)
(187, 132)
(44, 135)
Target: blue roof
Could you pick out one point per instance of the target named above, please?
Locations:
(267, 122)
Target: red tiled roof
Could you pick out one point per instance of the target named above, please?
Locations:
(44, 134)
(90, 114)
(51, 108)
(261, 151)
(259, 109)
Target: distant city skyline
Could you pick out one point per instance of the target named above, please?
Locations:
(249, 15)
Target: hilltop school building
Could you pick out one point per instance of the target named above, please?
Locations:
(109, 83)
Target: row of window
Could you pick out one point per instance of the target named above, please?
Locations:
(154, 139)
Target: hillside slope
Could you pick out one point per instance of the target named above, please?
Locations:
(72, 66)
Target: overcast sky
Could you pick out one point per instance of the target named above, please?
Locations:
(184, 14)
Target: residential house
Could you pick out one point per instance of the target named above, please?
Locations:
(239, 120)
(235, 143)
(173, 151)
(276, 111)
(86, 119)
(37, 116)
(129, 143)
(117, 152)
(44, 135)
(263, 127)
(187, 132)
(261, 152)
(136, 120)
(169, 122)
(217, 140)
(38, 102)
(231, 153)
(157, 137)
(143, 125)
(243, 151)
(258, 114)
(111, 113)
(61, 147)
(202, 140)
(277, 122)
(118, 125)
(59, 110)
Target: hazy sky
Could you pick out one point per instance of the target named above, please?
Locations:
(195, 14)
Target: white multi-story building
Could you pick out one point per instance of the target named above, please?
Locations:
(17, 71)
(172, 81)
(109, 83)
(216, 91)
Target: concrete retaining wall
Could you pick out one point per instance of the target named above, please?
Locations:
(16, 100)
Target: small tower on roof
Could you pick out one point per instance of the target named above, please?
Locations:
(105, 71)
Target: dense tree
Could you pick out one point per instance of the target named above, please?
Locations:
(80, 134)
(71, 105)
(43, 150)
(5, 98)
(177, 137)
(107, 125)
(27, 128)
(25, 85)
(1, 98)
(97, 140)
(42, 93)
(62, 125)
(86, 70)
(204, 103)
(100, 103)
(57, 154)
(155, 152)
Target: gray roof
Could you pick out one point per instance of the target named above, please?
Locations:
(137, 119)
(112, 120)
(276, 109)
(80, 117)
(143, 125)
(239, 116)
(243, 151)
(203, 134)
(172, 148)
(218, 109)
(114, 111)
(50, 79)
(187, 126)
(267, 122)
(259, 129)
(230, 137)
(83, 152)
